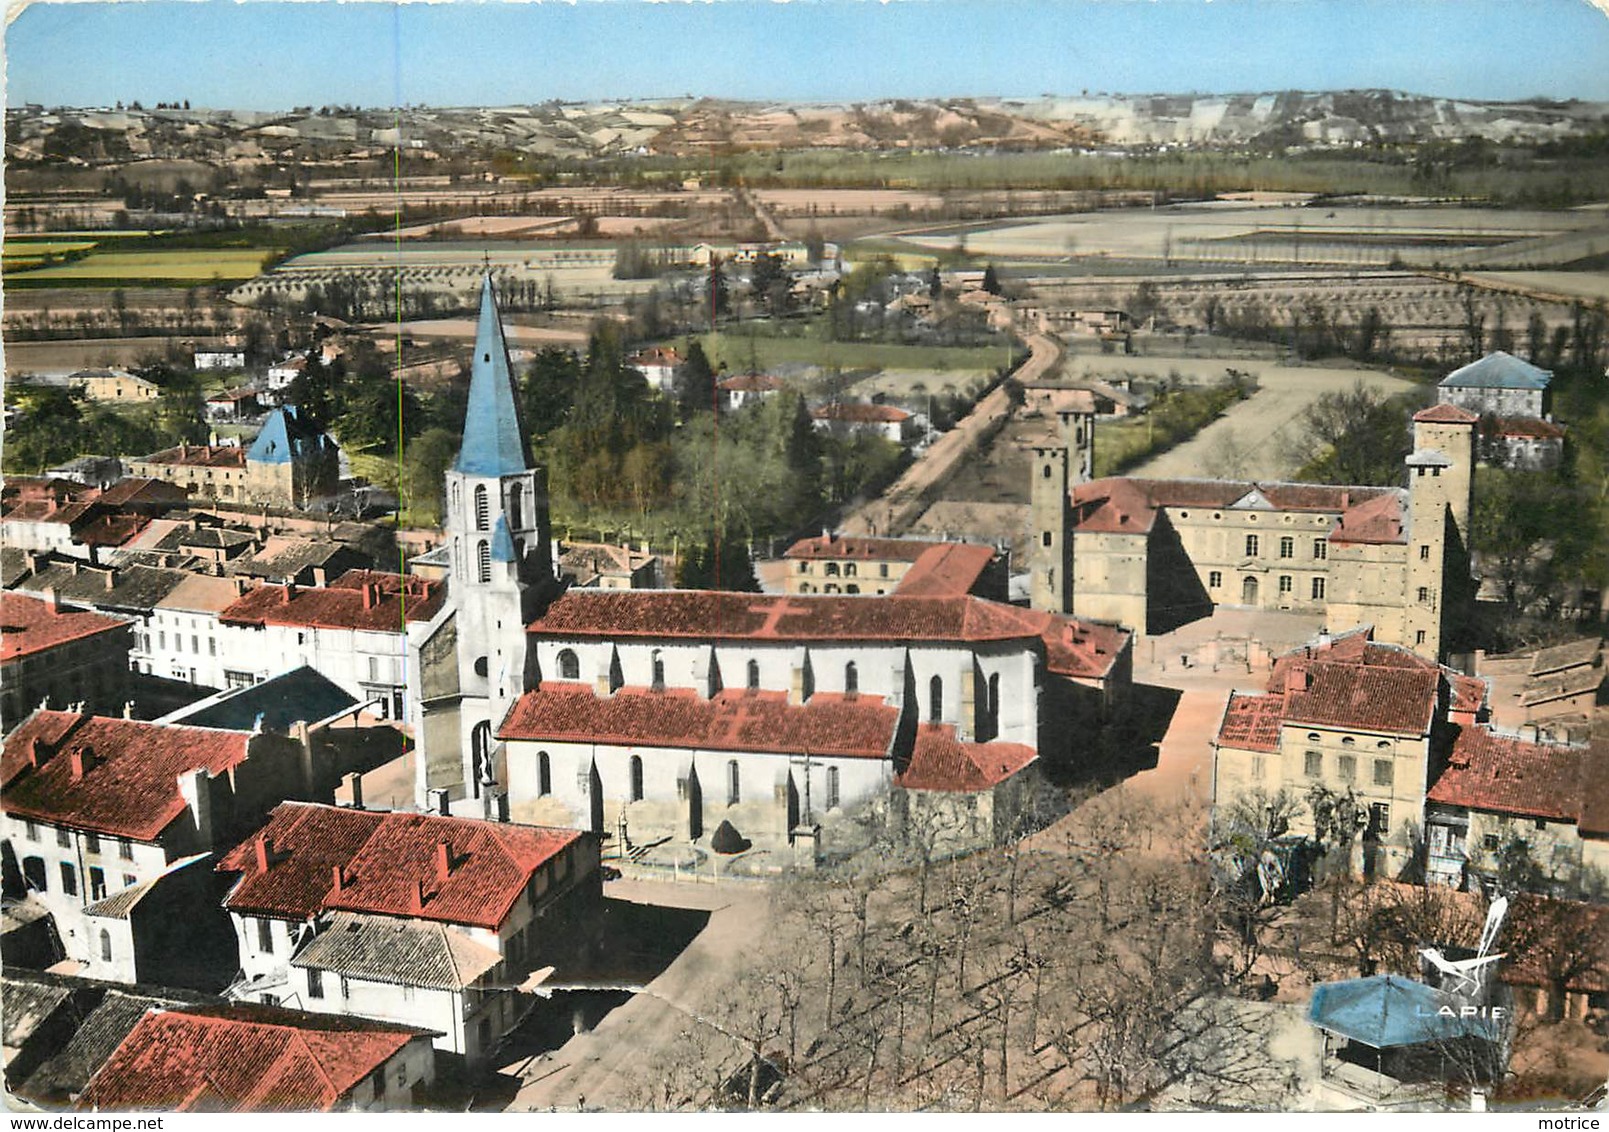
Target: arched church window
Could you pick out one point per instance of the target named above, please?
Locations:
(457, 500)
(754, 676)
(515, 498)
(569, 665)
(734, 792)
(851, 679)
(483, 560)
(544, 774)
(106, 946)
(483, 511)
(659, 672)
(935, 699)
(636, 778)
(832, 787)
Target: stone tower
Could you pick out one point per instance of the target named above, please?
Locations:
(497, 530)
(1441, 482)
(1057, 469)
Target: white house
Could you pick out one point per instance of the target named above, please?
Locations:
(96, 805)
(426, 920)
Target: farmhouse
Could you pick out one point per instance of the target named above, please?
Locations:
(854, 418)
(114, 385)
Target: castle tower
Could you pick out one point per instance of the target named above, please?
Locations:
(1441, 481)
(1050, 558)
(500, 558)
(1057, 468)
(1078, 436)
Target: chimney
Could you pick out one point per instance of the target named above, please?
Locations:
(240, 586)
(444, 860)
(337, 881)
(439, 796)
(418, 896)
(265, 853)
(111, 579)
(289, 593)
(52, 599)
(355, 781)
(82, 762)
(1296, 679)
(1346, 500)
(38, 752)
(371, 595)
(320, 576)
(94, 553)
(36, 561)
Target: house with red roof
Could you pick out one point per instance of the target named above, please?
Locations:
(849, 564)
(353, 631)
(53, 653)
(1494, 792)
(747, 389)
(1527, 443)
(217, 1059)
(1154, 554)
(422, 919)
(1354, 717)
(97, 807)
(857, 418)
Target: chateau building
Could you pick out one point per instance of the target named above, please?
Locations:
(1154, 554)
(291, 463)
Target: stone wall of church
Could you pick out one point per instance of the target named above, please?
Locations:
(682, 794)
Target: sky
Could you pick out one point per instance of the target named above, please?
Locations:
(267, 55)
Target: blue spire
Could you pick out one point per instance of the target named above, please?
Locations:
(494, 437)
(503, 542)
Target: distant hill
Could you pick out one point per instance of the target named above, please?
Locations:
(683, 127)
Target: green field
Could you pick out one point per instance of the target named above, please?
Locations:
(18, 249)
(131, 268)
(737, 350)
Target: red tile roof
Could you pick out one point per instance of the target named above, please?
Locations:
(1124, 505)
(1251, 723)
(1349, 682)
(949, 569)
(29, 626)
(840, 546)
(1376, 521)
(734, 720)
(1446, 414)
(136, 489)
(358, 599)
(1074, 648)
(751, 383)
(856, 412)
(242, 1059)
(111, 776)
(1527, 427)
(199, 456)
(941, 761)
(384, 857)
(1509, 775)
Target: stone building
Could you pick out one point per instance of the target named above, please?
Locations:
(1356, 718)
(670, 712)
(1154, 554)
(291, 463)
(833, 564)
(51, 653)
(1499, 385)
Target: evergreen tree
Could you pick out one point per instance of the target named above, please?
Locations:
(991, 281)
(694, 382)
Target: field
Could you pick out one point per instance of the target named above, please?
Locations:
(1591, 286)
(80, 353)
(1235, 232)
(934, 365)
(120, 268)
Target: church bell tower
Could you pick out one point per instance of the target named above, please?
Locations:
(497, 529)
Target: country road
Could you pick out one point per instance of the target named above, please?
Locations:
(891, 514)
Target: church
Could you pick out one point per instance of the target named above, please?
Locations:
(669, 713)
(1153, 554)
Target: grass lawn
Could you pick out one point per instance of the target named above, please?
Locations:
(1120, 443)
(735, 350)
(132, 268)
